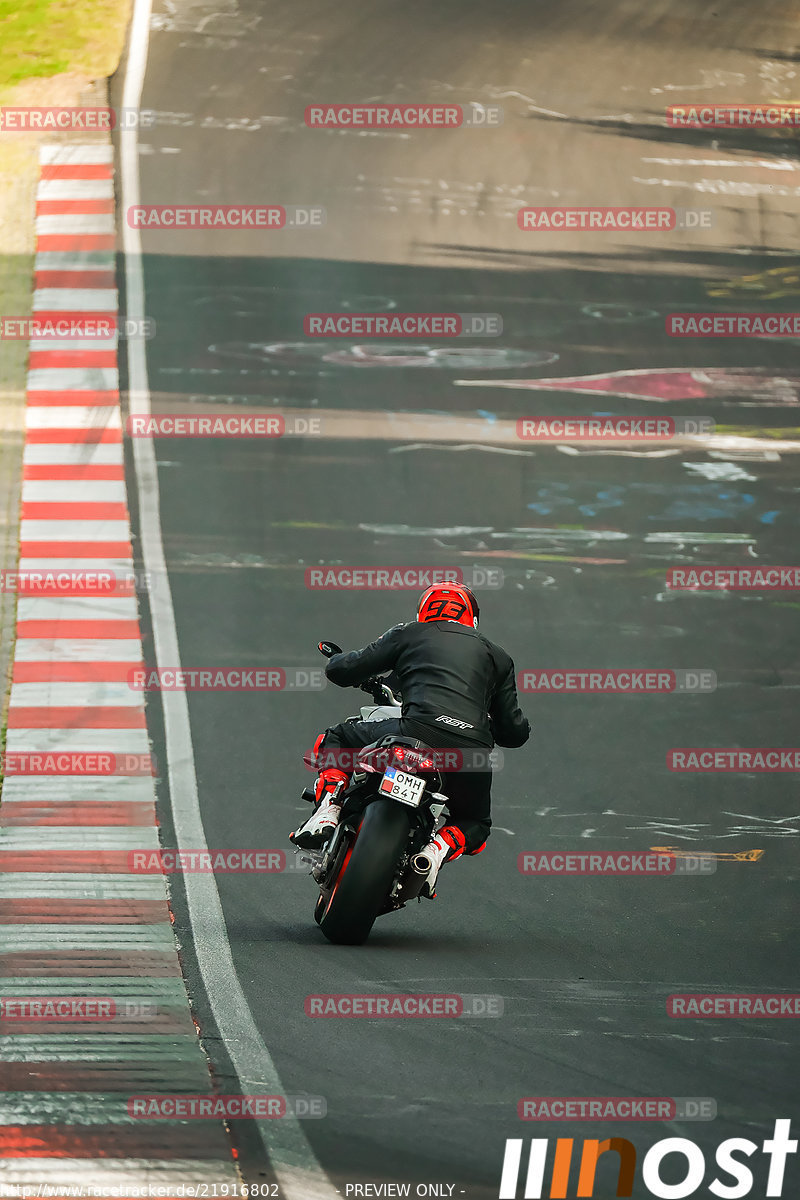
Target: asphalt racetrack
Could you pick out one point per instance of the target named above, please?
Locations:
(408, 469)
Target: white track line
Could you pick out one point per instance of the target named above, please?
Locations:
(299, 1174)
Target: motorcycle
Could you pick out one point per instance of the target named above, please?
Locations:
(373, 864)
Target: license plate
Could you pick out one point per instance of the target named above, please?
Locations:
(408, 789)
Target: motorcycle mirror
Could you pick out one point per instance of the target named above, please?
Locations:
(329, 649)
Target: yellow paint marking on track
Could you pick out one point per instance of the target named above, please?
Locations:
(719, 855)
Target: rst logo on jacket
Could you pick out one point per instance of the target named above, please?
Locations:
(455, 723)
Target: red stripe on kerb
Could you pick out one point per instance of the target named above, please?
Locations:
(82, 912)
(41, 437)
(78, 242)
(65, 812)
(68, 964)
(94, 862)
(75, 550)
(73, 471)
(80, 278)
(52, 208)
(74, 510)
(78, 629)
(107, 398)
(59, 359)
(76, 171)
(121, 716)
(141, 1139)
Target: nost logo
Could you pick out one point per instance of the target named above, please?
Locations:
(737, 1181)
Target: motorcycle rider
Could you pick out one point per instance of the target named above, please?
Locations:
(458, 690)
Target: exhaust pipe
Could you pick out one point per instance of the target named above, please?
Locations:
(421, 863)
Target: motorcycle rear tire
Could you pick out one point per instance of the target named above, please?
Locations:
(366, 874)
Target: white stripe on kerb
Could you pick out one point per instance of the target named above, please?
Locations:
(72, 299)
(58, 379)
(71, 417)
(75, 260)
(81, 650)
(83, 154)
(68, 416)
(79, 837)
(43, 885)
(88, 607)
(67, 454)
(94, 694)
(75, 189)
(71, 223)
(74, 531)
(74, 490)
(75, 343)
(77, 741)
(120, 568)
(67, 789)
(122, 1174)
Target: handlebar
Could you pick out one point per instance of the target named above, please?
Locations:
(381, 692)
(374, 686)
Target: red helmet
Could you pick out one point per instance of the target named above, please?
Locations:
(449, 602)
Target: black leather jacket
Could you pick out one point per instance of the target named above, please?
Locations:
(452, 680)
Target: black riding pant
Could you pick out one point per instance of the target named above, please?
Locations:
(469, 790)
